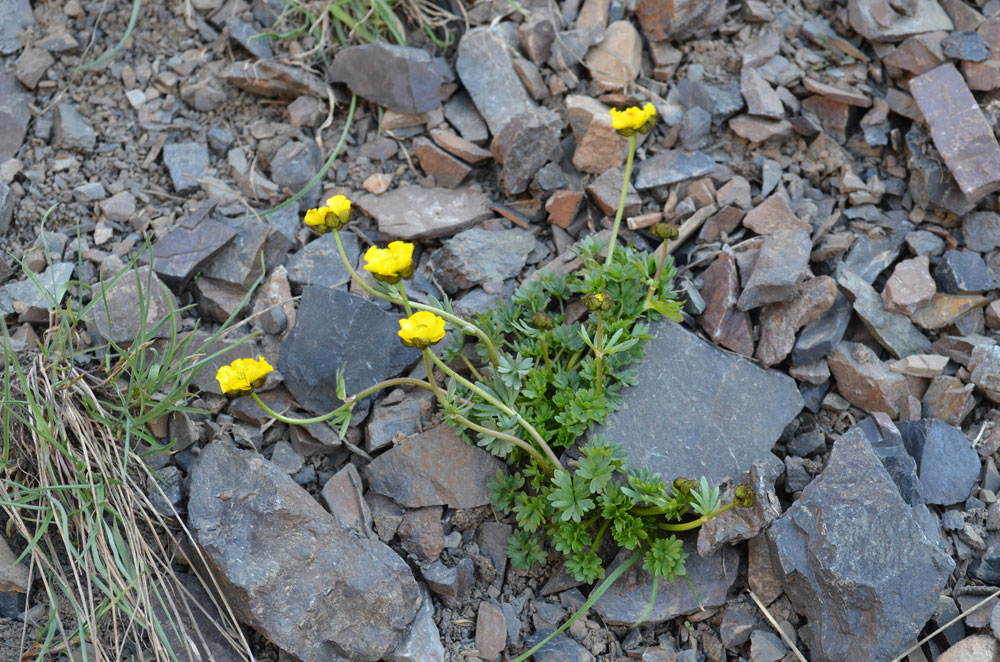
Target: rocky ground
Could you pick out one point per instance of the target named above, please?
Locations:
(833, 172)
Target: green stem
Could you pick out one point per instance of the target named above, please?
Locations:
(600, 535)
(468, 364)
(621, 202)
(553, 460)
(348, 403)
(599, 354)
(402, 295)
(656, 278)
(545, 354)
(465, 325)
(693, 524)
(520, 443)
(573, 360)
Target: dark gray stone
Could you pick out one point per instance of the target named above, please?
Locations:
(238, 264)
(963, 272)
(17, 15)
(780, 266)
(165, 496)
(840, 551)
(415, 212)
(187, 162)
(198, 619)
(454, 584)
(189, 246)
(462, 114)
(560, 649)
(893, 331)
(294, 164)
(72, 130)
(947, 463)
(335, 330)
(422, 640)
(319, 262)
(947, 610)
(479, 256)
(923, 242)
(523, 146)
(400, 78)
(822, 336)
(672, 166)
(6, 208)
(136, 290)
(981, 231)
(288, 569)
(388, 422)
(434, 468)
(14, 112)
(699, 411)
(625, 601)
(243, 32)
(967, 46)
(220, 139)
(807, 444)
(766, 647)
(869, 257)
(695, 128)
(485, 69)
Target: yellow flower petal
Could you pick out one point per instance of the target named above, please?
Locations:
(421, 329)
(242, 375)
(339, 205)
(316, 218)
(392, 263)
(633, 119)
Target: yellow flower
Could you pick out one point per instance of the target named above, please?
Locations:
(341, 208)
(316, 219)
(333, 216)
(243, 375)
(390, 264)
(633, 119)
(421, 329)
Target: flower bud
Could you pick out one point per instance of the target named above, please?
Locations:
(743, 496)
(685, 485)
(598, 301)
(543, 321)
(663, 230)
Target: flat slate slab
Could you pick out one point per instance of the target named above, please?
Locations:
(415, 212)
(699, 411)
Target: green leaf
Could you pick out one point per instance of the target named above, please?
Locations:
(585, 567)
(530, 511)
(665, 558)
(570, 496)
(597, 470)
(524, 551)
(503, 488)
(705, 501)
(571, 537)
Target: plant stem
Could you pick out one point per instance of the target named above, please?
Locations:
(553, 460)
(545, 354)
(468, 364)
(348, 403)
(520, 443)
(656, 278)
(693, 524)
(599, 354)
(621, 202)
(465, 325)
(600, 535)
(402, 295)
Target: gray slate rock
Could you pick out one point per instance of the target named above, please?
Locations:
(625, 601)
(963, 272)
(780, 266)
(948, 465)
(200, 622)
(699, 411)
(968, 45)
(822, 336)
(6, 208)
(72, 130)
(893, 331)
(335, 330)
(289, 569)
(672, 166)
(479, 256)
(319, 263)
(186, 162)
(436, 467)
(17, 15)
(53, 285)
(560, 649)
(415, 212)
(400, 78)
(869, 257)
(14, 112)
(462, 114)
(135, 290)
(238, 263)
(453, 585)
(981, 231)
(841, 550)
(294, 164)
(485, 69)
(422, 641)
(523, 146)
(189, 246)
(243, 32)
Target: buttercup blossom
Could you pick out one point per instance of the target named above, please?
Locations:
(341, 207)
(243, 375)
(421, 329)
(390, 264)
(633, 119)
(332, 216)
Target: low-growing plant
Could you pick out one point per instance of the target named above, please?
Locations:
(551, 364)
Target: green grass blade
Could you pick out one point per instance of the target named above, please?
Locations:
(133, 19)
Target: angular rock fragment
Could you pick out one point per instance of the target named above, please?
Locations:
(415, 212)
(724, 323)
(672, 166)
(840, 551)
(877, 20)
(760, 96)
(759, 129)
(981, 231)
(480, 256)
(436, 467)
(948, 399)
(893, 331)
(332, 590)
(963, 272)
(691, 413)
(614, 62)
(909, 287)
(484, 66)
(598, 146)
(782, 262)
(523, 145)
(946, 309)
(187, 163)
(606, 193)
(774, 215)
(189, 245)
(865, 381)
(918, 54)
(400, 78)
(780, 321)
(947, 465)
(679, 19)
(72, 130)
(271, 79)
(960, 131)
(822, 336)
(446, 170)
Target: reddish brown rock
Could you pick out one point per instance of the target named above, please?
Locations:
(606, 193)
(903, 104)
(982, 76)
(865, 381)
(614, 63)
(837, 94)
(679, 19)
(598, 146)
(460, 147)
(343, 496)
(422, 533)
(832, 114)
(993, 315)
(945, 309)
(918, 54)
(562, 207)
(446, 170)
(948, 399)
(531, 77)
(773, 215)
(722, 222)
(722, 321)
(779, 267)
(491, 631)
(959, 129)
(759, 129)
(780, 321)
(909, 287)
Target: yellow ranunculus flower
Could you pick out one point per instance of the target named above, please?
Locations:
(341, 208)
(633, 119)
(316, 219)
(390, 264)
(243, 375)
(421, 329)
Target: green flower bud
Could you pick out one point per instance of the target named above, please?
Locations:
(598, 301)
(743, 496)
(543, 321)
(664, 230)
(685, 485)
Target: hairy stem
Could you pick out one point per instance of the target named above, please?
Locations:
(621, 202)
(348, 403)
